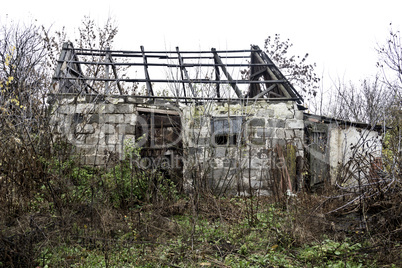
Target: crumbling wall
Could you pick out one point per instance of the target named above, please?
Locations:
(228, 147)
(338, 151)
(352, 150)
(96, 126)
(267, 149)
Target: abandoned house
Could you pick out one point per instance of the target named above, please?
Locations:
(228, 120)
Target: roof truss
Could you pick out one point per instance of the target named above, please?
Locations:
(227, 73)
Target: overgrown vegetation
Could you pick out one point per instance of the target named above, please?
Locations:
(76, 216)
(56, 212)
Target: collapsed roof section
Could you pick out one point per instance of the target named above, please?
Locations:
(218, 75)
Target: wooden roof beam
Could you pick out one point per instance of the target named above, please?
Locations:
(184, 70)
(273, 76)
(229, 77)
(149, 85)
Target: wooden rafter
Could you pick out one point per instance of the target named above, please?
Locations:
(228, 76)
(148, 80)
(184, 71)
(265, 80)
(217, 78)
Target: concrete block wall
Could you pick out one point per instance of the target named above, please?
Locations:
(97, 127)
(235, 167)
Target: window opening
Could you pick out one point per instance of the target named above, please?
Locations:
(226, 131)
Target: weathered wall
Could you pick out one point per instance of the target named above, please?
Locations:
(229, 147)
(349, 143)
(99, 127)
(252, 158)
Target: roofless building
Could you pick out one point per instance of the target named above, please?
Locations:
(227, 120)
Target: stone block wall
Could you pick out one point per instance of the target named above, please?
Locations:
(235, 166)
(96, 126)
(263, 137)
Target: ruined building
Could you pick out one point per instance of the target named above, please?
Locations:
(227, 120)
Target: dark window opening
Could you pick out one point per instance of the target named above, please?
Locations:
(226, 131)
(78, 118)
(221, 139)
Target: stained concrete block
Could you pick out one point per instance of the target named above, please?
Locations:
(78, 139)
(195, 150)
(106, 108)
(253, 182)
(125, 129)
(294, 123)
(276, 141)
(270, 132)
(107, 129)
(265, 113)
(93, 119)
(86, 150)
(130, 119)
(229, 163)
(84, 129)
(279, 133)
(67, 100)
(260, 132)
(299, 115)
(276, 123)
(114, 100)
(65, 109)
(82, 99)
(114, 139)
(113, 118)
(55, 119)
(264, 153)
(257, 141)
(256, 163)
(284, 110)
(289, 134)
(257, 122)
(110, 148)
(220, 152)
(220, 173)
(85, 108)
(94, 140)
(66, 127)
(129, 138)
(203, 141)
(299, 134)
(203, 132)
(55, 129)
(124, 108)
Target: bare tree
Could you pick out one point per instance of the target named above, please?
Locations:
(296, 69)
(92, 38)
(368, 102)
(24, 80)
(391, 62)
(24, 76)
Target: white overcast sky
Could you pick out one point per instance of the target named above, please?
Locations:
(340, 36)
